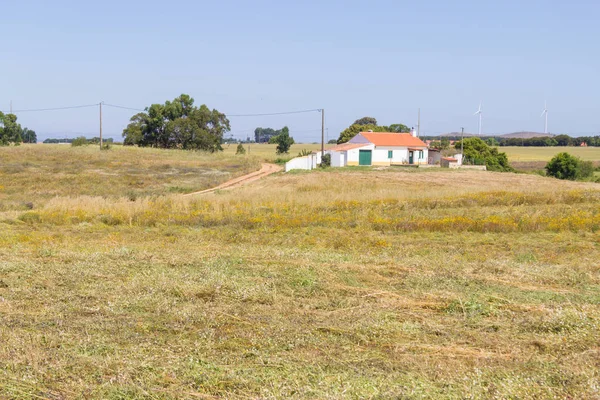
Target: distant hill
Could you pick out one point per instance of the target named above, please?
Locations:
(526, 135)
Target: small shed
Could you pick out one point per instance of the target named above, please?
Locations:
(449, 162)
(435, 156)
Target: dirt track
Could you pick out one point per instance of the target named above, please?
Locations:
(265, 170)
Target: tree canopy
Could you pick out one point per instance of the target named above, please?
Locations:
(264, 135)
(28, 136)
(177, 124)
(284, 141)
(10, 130)
(476, 151)
(365, 121)
(357, 127)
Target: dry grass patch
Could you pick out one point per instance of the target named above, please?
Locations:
(388, 284)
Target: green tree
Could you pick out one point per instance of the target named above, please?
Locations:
(10, 130)
(563, 140)
(398, 128)
(284, 141)
(264, 135)
(240, 149)
(355, 129)
(273, 139)
(365, 121)
(491, 141)
(28, 136)
(565, 166)
(178, 124)
(476, 151)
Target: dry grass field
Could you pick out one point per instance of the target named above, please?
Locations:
(325, 285)
(36, 173)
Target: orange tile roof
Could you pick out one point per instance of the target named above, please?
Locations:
(393, 139)
(348, 146)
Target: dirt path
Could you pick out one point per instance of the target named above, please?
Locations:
(265, 170)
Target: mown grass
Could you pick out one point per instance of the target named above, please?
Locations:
(267, 152)
(525, 154)
(30, 175)
(337, 284)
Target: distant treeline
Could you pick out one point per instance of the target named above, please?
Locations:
(94, 140)
(559, 140)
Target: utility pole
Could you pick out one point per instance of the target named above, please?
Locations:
(100, 104)
(462, 139)
(322, 133)
(419, 124)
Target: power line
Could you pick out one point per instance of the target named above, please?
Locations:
(277, 113)
(123, 107)
(55, 108)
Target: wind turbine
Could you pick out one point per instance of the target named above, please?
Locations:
(545, 113)
(480, 112)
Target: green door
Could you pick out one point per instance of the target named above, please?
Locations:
(411, 157)
(364, 157)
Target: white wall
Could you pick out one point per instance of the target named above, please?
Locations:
(352, 154)
(399, 155)
(306, 163)
(338, 158)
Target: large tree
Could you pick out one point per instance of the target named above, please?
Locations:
(28, 136)
(10, 130)
(177, 124)
(284, 141)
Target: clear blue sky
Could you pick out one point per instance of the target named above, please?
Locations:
(354, 58)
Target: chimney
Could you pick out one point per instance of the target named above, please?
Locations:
(413, 132)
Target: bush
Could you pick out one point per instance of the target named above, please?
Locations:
(479, 152)
(240, 149)
(304, 153)
(80, 141)
(326, 160)
(566, 166)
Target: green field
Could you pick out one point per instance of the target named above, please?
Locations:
(334, 284)
(523, 154)
(515, 154)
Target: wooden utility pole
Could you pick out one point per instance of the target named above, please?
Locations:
(322, 133)
(100, 104)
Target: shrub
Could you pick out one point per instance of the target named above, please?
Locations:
(80, 141)
(240, 149)
(326, 160)
(479, 153)
(565, 166)
(304, 153)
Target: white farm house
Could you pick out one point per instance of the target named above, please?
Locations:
(380, 148)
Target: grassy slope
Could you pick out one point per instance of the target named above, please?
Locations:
(439, 284)
(37, 173)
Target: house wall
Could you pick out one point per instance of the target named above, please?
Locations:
(352, 154)
(338, 158)
(399, 156)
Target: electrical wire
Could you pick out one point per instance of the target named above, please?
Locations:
(122, 107)
(53, 109)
